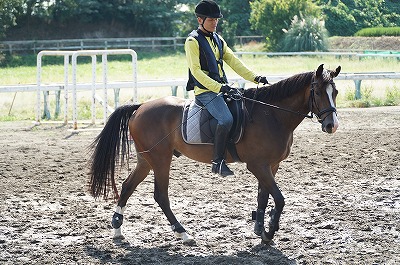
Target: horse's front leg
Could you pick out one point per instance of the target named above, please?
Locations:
(275, 214)
(267, 185)
(258, 216)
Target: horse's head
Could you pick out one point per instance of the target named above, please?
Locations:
(323, 98)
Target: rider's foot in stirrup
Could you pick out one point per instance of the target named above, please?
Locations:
(220, 167)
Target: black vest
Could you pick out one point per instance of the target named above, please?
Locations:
(208, 62)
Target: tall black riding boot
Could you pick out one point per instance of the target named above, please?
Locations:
(218, 164)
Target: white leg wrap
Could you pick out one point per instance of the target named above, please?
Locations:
(120, 210)
(118, 234)
(118, 231)
(187, 239)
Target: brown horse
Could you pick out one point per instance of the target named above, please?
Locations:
(275, 112)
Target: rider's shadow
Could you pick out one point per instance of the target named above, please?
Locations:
(259, 254)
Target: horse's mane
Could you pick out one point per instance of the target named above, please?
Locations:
(282, 89)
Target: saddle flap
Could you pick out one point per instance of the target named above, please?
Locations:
(198, 126)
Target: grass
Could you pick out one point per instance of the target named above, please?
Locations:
(172, 65)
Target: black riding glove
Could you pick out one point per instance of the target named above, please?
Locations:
(234, 94)
(261, 79)
(225, 89)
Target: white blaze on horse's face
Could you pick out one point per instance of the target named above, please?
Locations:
(330, 91)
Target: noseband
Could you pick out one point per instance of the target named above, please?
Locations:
(313, 102)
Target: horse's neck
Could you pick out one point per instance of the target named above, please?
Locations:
(293, 109)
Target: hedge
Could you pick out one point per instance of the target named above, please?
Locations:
(377, 32)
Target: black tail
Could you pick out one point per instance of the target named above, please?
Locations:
(106, 151)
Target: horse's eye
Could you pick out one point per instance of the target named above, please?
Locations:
(335, 92)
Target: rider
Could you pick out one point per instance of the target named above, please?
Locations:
(205, 53)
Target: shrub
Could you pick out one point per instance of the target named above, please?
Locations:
(366, 93)
(350, 95)
(305, 34)
(379, 31)
(269, 17)
(392, 96)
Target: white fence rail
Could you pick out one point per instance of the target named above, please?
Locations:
(388, 54)
(175, 83)
(135, 84)
(74, 55)
(105, 43)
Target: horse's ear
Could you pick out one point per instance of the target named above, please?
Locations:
(319, 70)
(336, 73)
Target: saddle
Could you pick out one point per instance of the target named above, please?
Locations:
(198, 126)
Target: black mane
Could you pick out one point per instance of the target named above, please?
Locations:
(281, 90)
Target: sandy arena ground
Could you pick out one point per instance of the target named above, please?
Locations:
(342, 201)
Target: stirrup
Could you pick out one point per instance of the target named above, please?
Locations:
(221, 168)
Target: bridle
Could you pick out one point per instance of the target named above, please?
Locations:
(311, 103)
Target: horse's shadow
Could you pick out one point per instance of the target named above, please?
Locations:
(258, 254)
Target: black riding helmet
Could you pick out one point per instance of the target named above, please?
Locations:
(207, 8)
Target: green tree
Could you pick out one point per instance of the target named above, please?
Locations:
(392, 12)
(271, 16)
(152, 18)
(64, 10)
(143, 18)
(345, 17)
(9, 10)
(237, 12)
(236, 19)
(339, 20)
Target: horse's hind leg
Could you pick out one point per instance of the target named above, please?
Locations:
(161, 183)
(128, 186)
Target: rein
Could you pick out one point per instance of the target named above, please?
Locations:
(277, 107)
(237, 95)
(311, 103)
(176, 128)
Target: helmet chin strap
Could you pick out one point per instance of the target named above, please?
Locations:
(202, 25)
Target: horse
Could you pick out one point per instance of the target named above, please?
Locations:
(274, 112)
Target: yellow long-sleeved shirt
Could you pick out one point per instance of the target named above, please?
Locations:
(193, 59)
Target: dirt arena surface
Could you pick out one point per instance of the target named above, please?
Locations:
(342, 201)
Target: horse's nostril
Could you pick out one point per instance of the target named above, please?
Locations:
(328, 128)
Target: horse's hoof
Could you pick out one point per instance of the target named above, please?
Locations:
(267, 242)
(189, 241)
(118, 237)
(118, 234)
(266, 238)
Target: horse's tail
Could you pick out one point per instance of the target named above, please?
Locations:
(109, 147)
